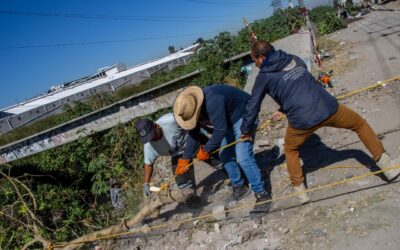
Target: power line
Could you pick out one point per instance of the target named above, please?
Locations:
(99, 42)
(226, 4)
(110, 17)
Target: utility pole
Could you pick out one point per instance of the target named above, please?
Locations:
(303, 10)
(276, 5)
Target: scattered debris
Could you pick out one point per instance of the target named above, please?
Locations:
(219, 212)
(341, 216)
(283, 230)
(262, 143)
(324, 54)
(353, 57)
(117, 196)
(217, 228)
(145, 229)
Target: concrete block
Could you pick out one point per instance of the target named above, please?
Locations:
(219, 212)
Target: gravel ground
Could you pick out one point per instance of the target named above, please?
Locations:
(363, 214)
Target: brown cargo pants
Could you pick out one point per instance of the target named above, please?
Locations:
(343, 118)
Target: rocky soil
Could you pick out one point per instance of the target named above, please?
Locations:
(363, 214)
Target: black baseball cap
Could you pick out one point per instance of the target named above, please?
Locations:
(145, 130)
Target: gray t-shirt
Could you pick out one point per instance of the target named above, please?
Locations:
(172, 142)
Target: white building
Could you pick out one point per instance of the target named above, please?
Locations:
(105, 80)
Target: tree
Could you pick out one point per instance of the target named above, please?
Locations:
(199, 40)
(171, 49)
(59, 194)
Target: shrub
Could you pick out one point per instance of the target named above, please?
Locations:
(326, 20)
(70, 183)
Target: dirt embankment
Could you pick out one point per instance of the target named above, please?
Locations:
(362, 214)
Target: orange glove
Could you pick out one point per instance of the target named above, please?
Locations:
(202, 155)
(182, 167)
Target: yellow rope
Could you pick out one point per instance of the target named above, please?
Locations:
(369, 88)
(282, 197)
(166, 184)
(309, 190)
(325, 168)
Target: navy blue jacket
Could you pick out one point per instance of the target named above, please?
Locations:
(223, 106)
(286, 79)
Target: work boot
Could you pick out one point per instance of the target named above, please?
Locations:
(239, 193)
(303, 197)
(385, 162)
(262, 206)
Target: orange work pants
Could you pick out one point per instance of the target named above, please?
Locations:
(343, 118)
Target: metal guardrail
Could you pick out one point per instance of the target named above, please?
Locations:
(146, 102)
(9, 123)
(140, 104)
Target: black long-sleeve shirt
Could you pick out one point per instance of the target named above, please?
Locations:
(223, 106)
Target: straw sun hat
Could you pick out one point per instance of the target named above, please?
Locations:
(187, 106)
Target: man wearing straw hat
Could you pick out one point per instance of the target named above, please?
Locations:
(307, 106)
(221, 107)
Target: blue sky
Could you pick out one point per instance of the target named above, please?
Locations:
(28, 71)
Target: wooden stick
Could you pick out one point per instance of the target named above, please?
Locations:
(151, 206)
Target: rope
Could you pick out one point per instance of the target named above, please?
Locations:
(369, 88)
(166, 184)
(325, 168)
(277, 198)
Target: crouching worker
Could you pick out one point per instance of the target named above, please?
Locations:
(307, 106)
(221, 107)
(164, 137)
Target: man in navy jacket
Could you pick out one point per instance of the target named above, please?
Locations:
(307, 106)
(221, 108)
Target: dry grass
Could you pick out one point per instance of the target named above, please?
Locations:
(339, 62)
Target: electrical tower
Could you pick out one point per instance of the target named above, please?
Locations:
(276, 5)
(290, 4)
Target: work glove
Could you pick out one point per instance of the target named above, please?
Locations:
(202, 155)
(146, 190)
(182, 167)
